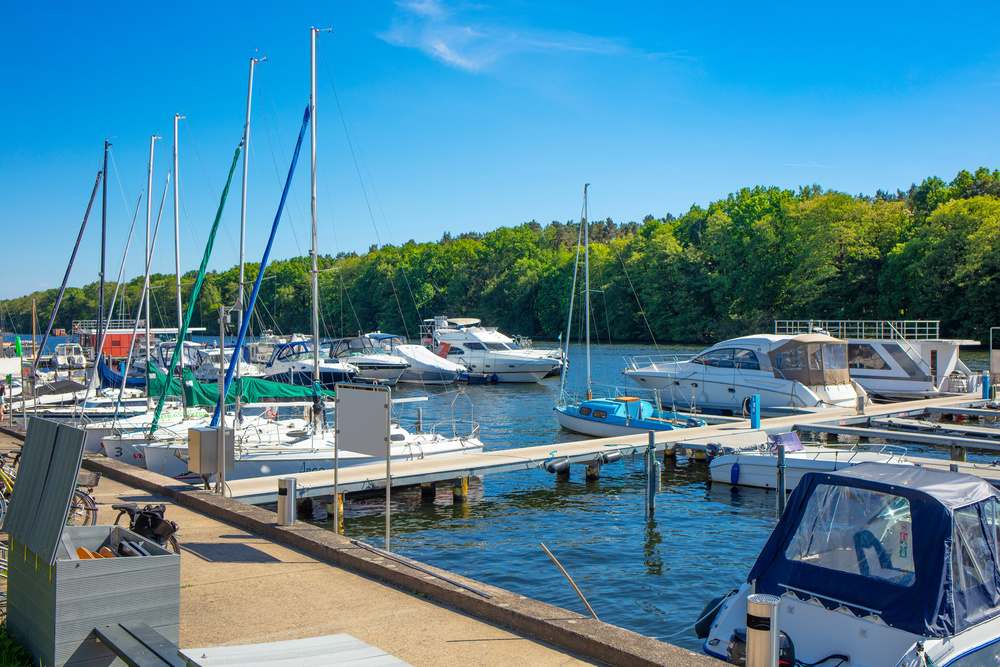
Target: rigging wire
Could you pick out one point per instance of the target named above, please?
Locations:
(368, 204)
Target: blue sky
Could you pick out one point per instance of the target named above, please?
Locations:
(468, 116)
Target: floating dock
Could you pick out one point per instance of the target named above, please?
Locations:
(596, 452)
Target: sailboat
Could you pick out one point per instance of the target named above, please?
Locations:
(618, 413)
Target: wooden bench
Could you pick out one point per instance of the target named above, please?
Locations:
(139, 645)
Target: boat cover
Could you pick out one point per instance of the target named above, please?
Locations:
(252, 389)
(812, 359)
(112, 378)
(916, 547)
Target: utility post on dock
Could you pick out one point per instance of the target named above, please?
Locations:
(652, 476)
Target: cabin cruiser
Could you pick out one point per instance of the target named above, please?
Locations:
(69, 356)
(484, 350)
(424, 367)
(293, 363)
(372, 361)
(878, 564)
(260, 350)
(807, 371)
(896, 360)
(212, 363)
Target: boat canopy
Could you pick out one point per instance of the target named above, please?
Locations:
(251, 389)
(915, 547)
(812, 359)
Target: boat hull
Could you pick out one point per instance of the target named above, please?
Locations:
(761, 470)
(605, 428)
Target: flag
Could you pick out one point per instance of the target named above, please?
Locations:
(17, 346)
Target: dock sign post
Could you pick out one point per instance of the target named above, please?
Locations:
(362, 426)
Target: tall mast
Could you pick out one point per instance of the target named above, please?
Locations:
(149, 215)
(104, 235)
(586, 281)
(315, 242)
(243, 212)
(177, 247)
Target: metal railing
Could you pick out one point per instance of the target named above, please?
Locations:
(656, 362)
(80, 326)
(872, 329)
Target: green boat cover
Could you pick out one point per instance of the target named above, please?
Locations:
(250, 389)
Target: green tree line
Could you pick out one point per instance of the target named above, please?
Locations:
(730, 268)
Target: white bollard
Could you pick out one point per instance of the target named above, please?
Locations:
(762, 630)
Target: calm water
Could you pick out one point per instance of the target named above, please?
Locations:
(651, 577)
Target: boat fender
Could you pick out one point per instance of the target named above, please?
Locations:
(706, 618)
(734, 473)
(494, 378)
(558, 465)
(611, 457)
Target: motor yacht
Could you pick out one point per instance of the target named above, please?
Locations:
(484, 350)
(261, 350)
(293, 363)
(69, 356)
(212, 363)
(896, 359)
(424, 367)
(372, 361)
(802, 372)
(878, 564)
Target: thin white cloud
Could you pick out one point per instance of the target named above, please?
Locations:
(429, 26)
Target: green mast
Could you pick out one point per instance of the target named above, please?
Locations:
(193, 299)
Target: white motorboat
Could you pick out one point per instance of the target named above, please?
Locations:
(875, 565)
(807, 371)
(212, 363)
(425, 367)
(484, 350)
(897, 359)
(759, 467)
(293, 363)
(261, 350)
(371, 360)
(69, 356)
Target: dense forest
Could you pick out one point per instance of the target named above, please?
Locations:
(929, 252)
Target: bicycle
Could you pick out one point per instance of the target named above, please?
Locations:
(148, 522)
(83, 507)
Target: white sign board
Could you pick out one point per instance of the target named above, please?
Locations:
(10, 366)
(362, 419)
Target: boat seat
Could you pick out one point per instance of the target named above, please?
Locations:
(139, 645)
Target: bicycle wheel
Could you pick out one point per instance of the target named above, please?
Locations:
(82, 510)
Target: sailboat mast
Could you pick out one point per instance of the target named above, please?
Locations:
(149, 215)
(104, 235)
(177, 246)
(243, 211)
(586, 282)
(315, 242)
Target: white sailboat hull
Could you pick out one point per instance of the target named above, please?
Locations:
(760, 470)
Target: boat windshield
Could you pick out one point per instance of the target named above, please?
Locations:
(857, 531)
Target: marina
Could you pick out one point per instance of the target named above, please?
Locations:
(388, 335)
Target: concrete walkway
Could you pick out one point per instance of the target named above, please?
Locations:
(238, 588)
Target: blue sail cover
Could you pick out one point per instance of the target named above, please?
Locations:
(916, 547)
(113, 379)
